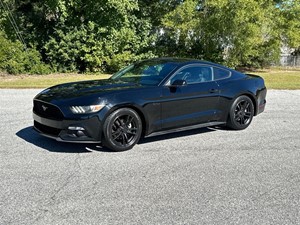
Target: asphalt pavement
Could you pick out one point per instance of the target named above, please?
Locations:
(203, 176)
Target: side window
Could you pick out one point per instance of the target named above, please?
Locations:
(194, 74)
(221, 74)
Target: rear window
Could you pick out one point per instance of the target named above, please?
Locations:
(221, 74)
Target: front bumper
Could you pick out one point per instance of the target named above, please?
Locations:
(60, 129)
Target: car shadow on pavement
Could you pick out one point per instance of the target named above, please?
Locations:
(28, 134)
(177, 134)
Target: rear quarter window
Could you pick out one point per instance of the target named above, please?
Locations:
(220, 74)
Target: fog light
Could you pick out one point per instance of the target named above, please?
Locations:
(80, 133)
(75, 128)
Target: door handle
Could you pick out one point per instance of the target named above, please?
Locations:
(213, 90)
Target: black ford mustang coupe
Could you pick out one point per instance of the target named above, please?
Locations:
(149, 97)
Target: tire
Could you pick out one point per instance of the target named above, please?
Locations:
(241, 113)
(122, 129)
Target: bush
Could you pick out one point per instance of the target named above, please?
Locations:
(15, 60)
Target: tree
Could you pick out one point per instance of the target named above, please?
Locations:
(14, 59)
(290, 23)
(79, 35)
(241, 32)
(104, 35)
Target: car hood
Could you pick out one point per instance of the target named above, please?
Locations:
(79, 89)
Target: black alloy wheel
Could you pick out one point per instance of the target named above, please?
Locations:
(241, 113)
(122, 129)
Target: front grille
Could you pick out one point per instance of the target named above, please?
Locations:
(46, 129)
(47, 110)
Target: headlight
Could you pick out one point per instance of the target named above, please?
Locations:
(86, 109)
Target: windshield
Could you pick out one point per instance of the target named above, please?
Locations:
(145, 73)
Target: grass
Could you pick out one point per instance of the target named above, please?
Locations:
(274, 79)
(43, 81)
(280, 79)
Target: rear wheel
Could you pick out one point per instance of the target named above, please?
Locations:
(241, 113)
(122, 129)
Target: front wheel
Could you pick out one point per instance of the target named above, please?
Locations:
(241, 113)
(122, 129)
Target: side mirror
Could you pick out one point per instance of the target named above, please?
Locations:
(177, 83)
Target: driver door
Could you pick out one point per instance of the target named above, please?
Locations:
(193, 103)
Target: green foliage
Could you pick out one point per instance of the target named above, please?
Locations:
(290, 22)
(98, 41)
(242, 32)
(181, 27)
(251, 33)
(105, 35)
(74, 49)
(15, 60)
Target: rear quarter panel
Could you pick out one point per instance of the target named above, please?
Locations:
(240, 84)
